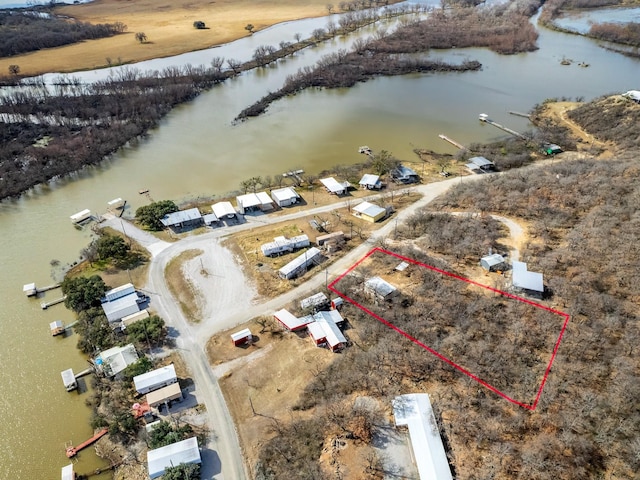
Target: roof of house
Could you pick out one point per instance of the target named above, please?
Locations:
(330, 316)
(369, 209)
(290, 321)
(185, 451)
(401, 172)
(325, 328)
(285, 193)
(369, 179)
(303, 259)
(209, 218)
(493, 259)
(333, 185)
(481, 162)
(134, 317)
(314, 300)
(522, 278)
(241, 334)
(120, 291)
(222, 209)
(181, 216)
(56, 324)
(379, 286)
(163, 394)
(117, 359)
(67, 472)
(254, 200)
(415, 412)
(154, 377)
(121, 307)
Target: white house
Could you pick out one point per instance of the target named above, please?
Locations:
(370, 182)
(285, 197)
(334, 187)
(116, 359)
(155, 379)
(121, 307)
(283, 244)
(369, 212)
(415, 412)
(160, 459)
(526, 280)
(251, 202)
(223, 210)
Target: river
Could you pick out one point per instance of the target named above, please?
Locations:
(198, 152)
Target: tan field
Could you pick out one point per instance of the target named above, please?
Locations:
(167, 25)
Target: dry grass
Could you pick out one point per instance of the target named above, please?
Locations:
(167, 25)
(180, 286)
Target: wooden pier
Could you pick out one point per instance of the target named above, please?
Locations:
(30, 289)
(483, 117)
(295, 174)
(72, 451)
(452, 142)
(46, 305)
(520, 114)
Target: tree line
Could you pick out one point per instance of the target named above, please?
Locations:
(27, 31)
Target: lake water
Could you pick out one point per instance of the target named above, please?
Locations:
(197, 151)
(581, 22)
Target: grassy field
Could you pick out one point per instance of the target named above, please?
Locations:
(167, 25)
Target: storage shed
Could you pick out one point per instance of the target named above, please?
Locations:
(415, 412)
(526, 280)
(480, 164)
(300, 264)
(334, 187)
(493, 262)
(164, 395)
(223, 210)
(252, 202)
(155, 379)
(118, 292)
(183, 219)
(335, 237)
(316, 302)
(285, 197)
(172, 455)
(57, 327)
(369, 212)
(370, 182)
(241, 337)
(379, 288)
(290, 321)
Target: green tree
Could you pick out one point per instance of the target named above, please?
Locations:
(383, 162)
(112, 247)
(184, 471)
(83, 292)
(166, 434)
(94, 331)
(143, 365)
(149, 329)
(150, 215)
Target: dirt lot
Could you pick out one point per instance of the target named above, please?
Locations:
(167, 25)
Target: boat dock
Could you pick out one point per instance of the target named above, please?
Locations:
(295, 174)
(452, 142)
(520, 114)
(483, 117)
(72, 451)
(46, 305)
(30, 289)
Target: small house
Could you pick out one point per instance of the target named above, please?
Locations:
(285, 197)
(121, 307)
(164, 395)
(242, 337)
(68, 473)
(480, 165)
(283, 244)
(155, 379)
(370, 182)
(80, 216)
(334, 187)
(402, 174)
(369, 212)
(335, 237)
(30, 290)
(223, 210)
(324, 331)
(493, 262)
(315, 302)
(530, 282)
(301, 264)
(114, 360)
(69, 380)
(57, 327)
(254, 202)
(159, 459)
(379, 288)
(182, 219)
(290, 321)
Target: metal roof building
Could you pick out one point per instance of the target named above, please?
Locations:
(370, 181)
(404, 174)
(285, 196)
(121, 307)
(68, 473)
(80, 216)
(414, 411)
(317, 300)
(300, 264)
(160, 459)
(119, 292)
(283, 244)
(290, 321)
(164, 395)
(334, 186)
(116, 359)
(182, 218)
(324, 330)
(522, 278)
(134, 317)
(209, 218)
(223, 209)
(241, 337)
(369, 212)
(254, 201)
(155, 379)
(491, 262)
(379, 287)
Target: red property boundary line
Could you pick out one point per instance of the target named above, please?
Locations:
(528, 406)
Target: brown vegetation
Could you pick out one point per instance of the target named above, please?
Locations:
(180, 286)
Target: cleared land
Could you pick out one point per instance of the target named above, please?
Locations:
(168, 27)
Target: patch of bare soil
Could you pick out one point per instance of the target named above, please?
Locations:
(182, 287)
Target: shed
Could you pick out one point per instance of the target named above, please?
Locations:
(210, 219)
(116, 359)
(369, 212)
(283, 244)
(251, 202)
(415, 412)
(80, 216)
(242, 337)
(119, 292)
(57, 327)
(402, 174)
(134, 317)
(290, 321)
(330, 237)
(493, 262)
(68, 473)
(155, 379)
(370, 182)
(300, 264)
(164, 395)
(325, 331)
(69, 380)
(115, 204)
(336, 303)
(379, 288)
(223, 210)
(30, 289)
(285, 197)
(172, 455)
(121, 307)
(335, 187)
(316, 301)
(480, 163)
(526, 280)
(402, 266)
(551, 149)
(183, 219)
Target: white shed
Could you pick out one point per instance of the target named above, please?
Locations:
(155, 379)
(526, 280)
(370, 181)
(260, 201)
(491, 262)
(285, 197)
(335, 187)
(160, 459)
(223, 210)
(119, 292)
(241, 337)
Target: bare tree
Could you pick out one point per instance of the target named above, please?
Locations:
(141, 37)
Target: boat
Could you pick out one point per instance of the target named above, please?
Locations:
(80, 216)
(143, 191)
(364, 150)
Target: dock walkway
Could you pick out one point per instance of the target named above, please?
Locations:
(46, 305)
(73, 451)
